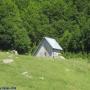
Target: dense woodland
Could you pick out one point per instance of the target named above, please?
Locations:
(23, 23)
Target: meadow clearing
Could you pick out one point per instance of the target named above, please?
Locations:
(32, 73)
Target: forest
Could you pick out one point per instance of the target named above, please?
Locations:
(23, 24)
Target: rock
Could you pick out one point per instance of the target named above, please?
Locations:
(27, 75)
(14, 52)
(61, 57)
(7, 61)
(41, 78)
(24, 73)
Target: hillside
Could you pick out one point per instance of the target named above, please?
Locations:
(31, 73)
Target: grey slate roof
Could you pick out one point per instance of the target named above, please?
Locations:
(53, 43)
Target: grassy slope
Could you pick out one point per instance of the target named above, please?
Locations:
(73, 74)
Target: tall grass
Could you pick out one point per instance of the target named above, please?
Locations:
(69, 55)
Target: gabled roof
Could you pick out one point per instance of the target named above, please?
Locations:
(53, 43)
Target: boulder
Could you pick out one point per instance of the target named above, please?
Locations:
(7, 61)
(14, 52)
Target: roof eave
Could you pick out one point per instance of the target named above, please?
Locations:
(57, 49)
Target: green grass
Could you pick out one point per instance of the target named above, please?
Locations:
(69, 74)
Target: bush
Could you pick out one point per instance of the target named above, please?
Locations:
(21, 42)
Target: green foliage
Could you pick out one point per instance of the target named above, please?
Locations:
(68, 21)
(12, 34)
(21, 41)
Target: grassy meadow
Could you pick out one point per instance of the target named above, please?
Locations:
(32, 73)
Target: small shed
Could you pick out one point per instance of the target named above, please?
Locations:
(48, 47)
